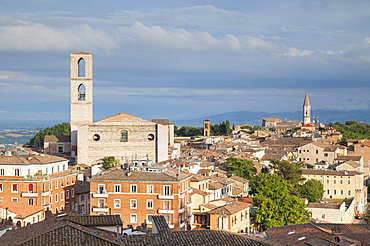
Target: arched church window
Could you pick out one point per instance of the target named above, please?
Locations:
(81, 92)
(81, 67)
(124, 136)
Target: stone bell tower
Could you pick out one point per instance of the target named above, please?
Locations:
(206, 128)
(81, 94)
(306, 110)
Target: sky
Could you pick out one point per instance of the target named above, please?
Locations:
(185, 59)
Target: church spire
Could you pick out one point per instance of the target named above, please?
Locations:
(306, 110)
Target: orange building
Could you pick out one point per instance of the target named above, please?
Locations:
(136, 196)
(41, 180)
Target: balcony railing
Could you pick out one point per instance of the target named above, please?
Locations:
(165, 211)
(29, 194)
(102, 210)
(100, 194)
(166, 197)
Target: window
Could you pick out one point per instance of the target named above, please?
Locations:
(317, 151)
(30, 201)
(149, 189)
(1, 187)
(73, 192)
(96, 137)
(133, 204)
(149, 218)
(67, 194)
(60, 148)
(349, 192)
(133, 218)
(82, 198)
(166, 190)
(349, 181)
(2, 172)
(117, 188)
(14, 188)
(14, 199)
(133, 188)
(327, 181)
(323, 216)
(341, 181)
(62, 195)
(124, 134)
(117, 203)
(16, 172)
(166, 205)
(56, 197)
(51, 185)
(342, 192)
(56, 184)
(101, 203)
(149, 204)
(50, 199)
(326, 154)
(151, 137)
(101, 188)
(335, 182)
(335, 192)
(328, 191)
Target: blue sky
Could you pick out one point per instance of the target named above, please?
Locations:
(185, 59)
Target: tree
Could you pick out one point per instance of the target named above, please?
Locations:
(37, 141)
(110, 161)
(240, 167)
(275, 206)
(291, 172)
(188, 131)
(352, 130)
(312, 190)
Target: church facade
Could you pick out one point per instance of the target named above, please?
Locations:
(126, 137)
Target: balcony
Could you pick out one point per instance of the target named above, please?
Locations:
(182, 210)
(189, 204)
(29, 194)
(166, 197)
(101, 194)
(101, 210)
(165, 211)
(46, 193)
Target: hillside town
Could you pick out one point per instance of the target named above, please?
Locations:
(124, 180)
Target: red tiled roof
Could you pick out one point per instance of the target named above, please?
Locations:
(24, 210)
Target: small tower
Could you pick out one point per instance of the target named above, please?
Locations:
(306, 110)
(206, 128)
(81, 94)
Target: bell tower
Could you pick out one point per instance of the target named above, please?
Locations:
(81, 94)
(206, 128)
(306, 110)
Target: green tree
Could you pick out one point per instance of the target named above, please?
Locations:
(63, 129)
(312, 190)
(188, 131)
(352, 130)
(240, 167)
(291, 172)
(275, 206)
(110, 161)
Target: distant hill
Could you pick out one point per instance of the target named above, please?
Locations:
(255, 118)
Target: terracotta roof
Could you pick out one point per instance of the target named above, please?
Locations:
(123, 118)
(331, 205)
(327, 172)
(239, 179)
(95, 220)
(137, 176)
(348, 157)
(24, 210)
(200, 192)
(34, 159)
(84, 165)
(231, 208)
(54, 138)
(215, 186)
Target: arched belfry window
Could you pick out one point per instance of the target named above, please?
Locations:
(124, 137)
(81, 67)
(81, 92)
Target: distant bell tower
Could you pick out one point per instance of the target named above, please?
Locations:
(206, 128)
(306, 110)
(81, 94)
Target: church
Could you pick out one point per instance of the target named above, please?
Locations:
(128, 138)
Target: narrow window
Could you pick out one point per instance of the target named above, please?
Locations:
(15, 188)
(133, 218)
(149, 204)
(117, 188)
(117, 203)
(133, 204)
(149, 189)
(2, 172)
(166, 190)
(81, 67)
(133, 188)
(1, 187)
(16, 172)
(124, 134)
(30, 188)
(81, 92)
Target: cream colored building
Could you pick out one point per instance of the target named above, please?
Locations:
(332, 211)
(315, 152)
(124, 136)
(341, 185)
